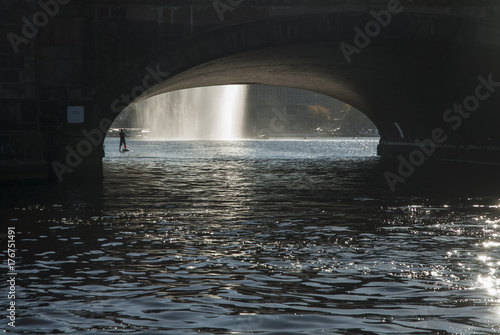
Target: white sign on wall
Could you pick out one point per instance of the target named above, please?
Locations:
(76, 114)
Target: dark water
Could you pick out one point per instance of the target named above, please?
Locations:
(256, 237)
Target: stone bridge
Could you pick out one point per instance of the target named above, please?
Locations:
(426, 72)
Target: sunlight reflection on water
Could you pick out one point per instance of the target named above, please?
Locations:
(254, 237)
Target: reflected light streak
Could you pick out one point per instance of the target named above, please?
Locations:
(491, 244)
(491, 284)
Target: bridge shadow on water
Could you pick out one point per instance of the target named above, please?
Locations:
(448, 179)
(138, 185)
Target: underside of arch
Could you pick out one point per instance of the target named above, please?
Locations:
(402, 80)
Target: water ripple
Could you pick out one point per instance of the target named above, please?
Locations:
(271, 243)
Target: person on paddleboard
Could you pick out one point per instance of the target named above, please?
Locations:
(122, 140)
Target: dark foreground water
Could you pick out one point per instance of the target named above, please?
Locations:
(255, 237)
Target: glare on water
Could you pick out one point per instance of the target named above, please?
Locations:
(254, 237)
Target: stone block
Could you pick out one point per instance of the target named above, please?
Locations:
(182, 15)
(74, 93)
(69, 72)
(11, 61)
(17, 62)
(11, 17)
(117, 12)
(17, 91)
(4, 60)
(28, 77)
(148, 29)
(17, 114)
(52, 112)
(46, 72)
(22, 155)
(142, 13)
(205, 15)
(6, 29)
(29, 63)
(60, 52)
(102, 11)
(69, 30)
(8, 76)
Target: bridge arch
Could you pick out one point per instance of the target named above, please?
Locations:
(404, 79)
(408, 77)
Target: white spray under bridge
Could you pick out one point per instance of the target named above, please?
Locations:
(205, 113)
